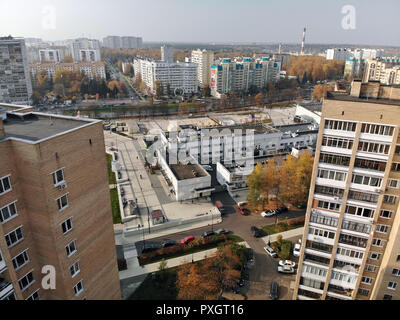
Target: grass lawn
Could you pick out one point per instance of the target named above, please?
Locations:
(281, 227)
(115, 206)
(158, 288)
(111, 175)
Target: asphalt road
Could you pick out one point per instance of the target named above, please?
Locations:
(263, 273)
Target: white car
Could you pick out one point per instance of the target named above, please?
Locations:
(286, 269)
(243, 204)
(269, 213)
(296, 250)
(287, 263)
(270, 251)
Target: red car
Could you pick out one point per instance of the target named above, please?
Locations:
(244, 211)
(187, 240)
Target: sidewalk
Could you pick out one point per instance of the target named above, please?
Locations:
(285, 235)
(134, 269)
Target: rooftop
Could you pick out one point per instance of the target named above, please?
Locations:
(258, 128)
(187, 171)
(34, 127)
(347, 97)
(298, 128)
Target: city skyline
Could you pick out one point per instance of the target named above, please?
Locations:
(222, 21)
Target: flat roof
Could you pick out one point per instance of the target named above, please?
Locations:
(187, 171)
(258, 128)
(34, 127)
(298, 128)
(347, 97)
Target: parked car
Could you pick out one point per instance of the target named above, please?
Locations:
(270, 251)
(250, 254)
(286, 269)
(287, 263)
(243, 204)
(297, 248)
(256, 232)
(207, 168)
(244, 211)
(269, 213)
(282, 210)
(221, 231)
(207, 234)
(187, 240)
(168, 243)
(274, 291)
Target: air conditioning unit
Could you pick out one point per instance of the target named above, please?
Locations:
(62, 186)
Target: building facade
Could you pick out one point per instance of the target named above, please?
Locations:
(54, 208)
(381, 71)
(204, 60)
(182, 75)
(240, 75)
(167, 54)
(50, 55)
(15, 82)
(350, 248)
(116, 42)
(90, 69)
(85, 50)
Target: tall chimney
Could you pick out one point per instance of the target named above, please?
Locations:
(303, 42)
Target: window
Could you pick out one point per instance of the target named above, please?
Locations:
(75, 269)
(10, 296)
(337, 142)
(322, 233)
(14, 237)
(370, 164)
(328, 205)
(360, 211)
(78, 288)
(396, 272)
(363, 196)
(378, 242)
(8, 212)
(372, 147)
(389, 199)
(26, 281)
(321, 219)
(34, 296)
(393, 183)
(5, 185)
(58, 177)
(71, 248)
(330, 191)
(20, 260)
(375, 256)
(392, 285)
(370, 268)
(397, 151)
(331, 174)
(387, 297)
(334, 159)
(386, 214)
(398, 258)
(356, 226)
(366, 280)
(396, 166)
(350, 253)
(377, 129)
(62, 202)
(363, 292)
(340, 125)
(381, 228)
(66, 225)
(366, 180)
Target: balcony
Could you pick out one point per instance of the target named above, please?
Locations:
(340, 291)
(5, 288)
(353, 241)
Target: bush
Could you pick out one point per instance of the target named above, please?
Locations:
(296, 221)
(286, 248)
(281, 227)
(279, 240)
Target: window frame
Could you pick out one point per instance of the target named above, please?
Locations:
(64, 222)
(59, 203)
(29, 284)
(16, 268)
(8, 207)
(56, 183)
(2, 184)
(77, 293)
(68, 247)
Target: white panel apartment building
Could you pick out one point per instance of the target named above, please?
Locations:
(204, 60)
(116, 42)
(229, 76)
(346, 53)
(85, 50)
(50, 55)
(91, 69)
(381, 71)
(15, 82)
(177, 74)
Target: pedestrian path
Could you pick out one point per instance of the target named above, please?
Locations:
(285, 235)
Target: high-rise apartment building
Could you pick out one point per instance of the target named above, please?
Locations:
(116, 42)
(54, 208)
(381, 71)
(351, 244)
(15, 81)
(50, 55)
(204, 60)
(85, 50)
(90, 69)
(240, 75)
(167, 54)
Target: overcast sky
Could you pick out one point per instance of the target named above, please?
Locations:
(377, 22)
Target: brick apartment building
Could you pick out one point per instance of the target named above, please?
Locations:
(54, 208)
